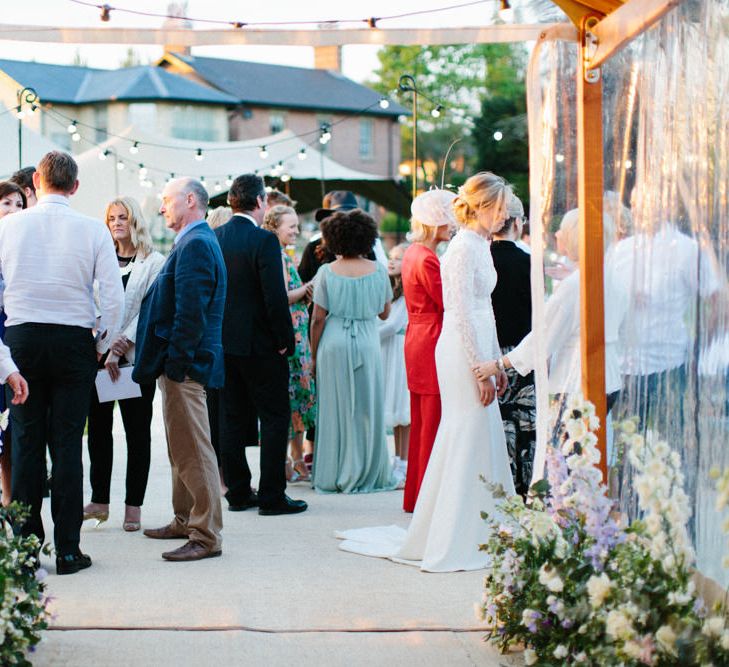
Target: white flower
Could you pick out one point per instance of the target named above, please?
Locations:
(627, 427)
(666, 638)
(632, 649)
(713, 627)
(581, 657)
(530, 656)
(479, 611)
(576, 429)
(598, 589)
(549, 578)
(725, 640)
(561, 651)
(618, 625)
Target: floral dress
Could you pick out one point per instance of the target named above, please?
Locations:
(302, 394)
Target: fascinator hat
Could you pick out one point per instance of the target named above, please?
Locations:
(434, 208)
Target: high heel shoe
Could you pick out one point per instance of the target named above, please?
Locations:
(132, 519)
(98, 515)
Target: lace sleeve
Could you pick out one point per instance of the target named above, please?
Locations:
(462, 267)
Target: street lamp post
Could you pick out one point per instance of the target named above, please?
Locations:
(407, 83)
(29, 96)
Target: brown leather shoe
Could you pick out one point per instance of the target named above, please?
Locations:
(191, 551)
(165, 533)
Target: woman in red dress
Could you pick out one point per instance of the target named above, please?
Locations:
(432, 223)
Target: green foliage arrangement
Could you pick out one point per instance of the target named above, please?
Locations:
(23, 612)
(574, 585)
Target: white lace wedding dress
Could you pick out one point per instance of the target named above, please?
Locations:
(446, 528)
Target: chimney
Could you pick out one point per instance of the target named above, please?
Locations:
(178, 10)
(328, 57)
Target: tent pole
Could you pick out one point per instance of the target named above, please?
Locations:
(589, 197)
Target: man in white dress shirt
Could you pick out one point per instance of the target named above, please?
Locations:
(50, 257)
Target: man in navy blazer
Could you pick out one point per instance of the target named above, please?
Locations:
(257, 338)
(179, 342)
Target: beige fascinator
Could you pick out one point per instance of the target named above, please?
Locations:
(434, 208)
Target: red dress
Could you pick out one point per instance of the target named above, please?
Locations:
(424, 300)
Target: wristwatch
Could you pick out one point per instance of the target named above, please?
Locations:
(500, 364)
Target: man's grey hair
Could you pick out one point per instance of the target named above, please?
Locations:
(198, 189)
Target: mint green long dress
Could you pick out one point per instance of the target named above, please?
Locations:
(351, 453)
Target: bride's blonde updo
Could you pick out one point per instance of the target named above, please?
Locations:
(485, 191)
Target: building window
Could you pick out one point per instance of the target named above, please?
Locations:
(366, 138)
(143, 115)
(193, 122)
(101, 122)
(277, 123)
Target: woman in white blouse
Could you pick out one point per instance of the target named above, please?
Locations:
(139, 265)
(562, 318)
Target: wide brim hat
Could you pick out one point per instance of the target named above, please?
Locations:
(434, 208)
(335, 201)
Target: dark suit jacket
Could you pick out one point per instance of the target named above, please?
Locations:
(181, 317)
(257, 319)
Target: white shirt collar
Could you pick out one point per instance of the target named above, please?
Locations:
(54, 199)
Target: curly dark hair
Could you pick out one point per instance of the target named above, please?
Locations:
(349, 233)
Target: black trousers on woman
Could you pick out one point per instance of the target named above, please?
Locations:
(137, 418)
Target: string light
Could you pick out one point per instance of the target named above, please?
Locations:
(202, 179)
(285, 178)
(218, 187)
(559, 157)
(142, 171)
(436, 111)
(263, 153)
(229, 181)
(371, 21)
(199, 155)
(76, 136)
(20, 113)
(384, 103)
(498, 135)
(505, 11)
(71, 129)
(325, 135)
(134, 148)
(119, 165)
(104, 154)
(303, 154)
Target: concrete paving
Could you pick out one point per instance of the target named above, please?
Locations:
(281, 593)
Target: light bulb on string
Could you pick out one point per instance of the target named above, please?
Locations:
(71, 129)
(33, 109)
(103, 154)
(436, 111)
(202, 179)
(498, 135)
(559, 157)
(263, 153)
(506, 13)
(229, 181)
(384, 103)
(76, 136)
(285, 178)
(134, 148)
(217, 186)
(302, 154)
(119, 165)
(199, 155)
(20, 113)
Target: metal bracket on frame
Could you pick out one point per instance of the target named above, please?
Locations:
(590, 42)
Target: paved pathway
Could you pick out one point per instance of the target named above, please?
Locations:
(282, 593)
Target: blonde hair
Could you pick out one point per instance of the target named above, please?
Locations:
(219, 216)
(420, 233)
(138, 227)
(483, 191)
(272, 219)
(571, 231)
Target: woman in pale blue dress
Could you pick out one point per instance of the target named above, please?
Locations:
(351, 453)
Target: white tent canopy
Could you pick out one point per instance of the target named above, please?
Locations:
(35, 146)
(101, 181)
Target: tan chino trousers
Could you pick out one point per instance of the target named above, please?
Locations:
(195, 477)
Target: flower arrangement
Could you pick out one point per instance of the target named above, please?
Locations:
(575, 585)
(23, 612)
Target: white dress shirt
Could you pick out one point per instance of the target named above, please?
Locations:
(50, 256)
(562, 319)
(663, 274)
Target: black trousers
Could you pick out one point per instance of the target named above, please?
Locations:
(59, 363)
(255, 386)
(137, 418)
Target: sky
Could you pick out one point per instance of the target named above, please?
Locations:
(358, 60)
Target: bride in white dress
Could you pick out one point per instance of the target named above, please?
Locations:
(446, 528)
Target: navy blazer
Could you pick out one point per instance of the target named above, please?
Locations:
(257, 318)
(181, 317)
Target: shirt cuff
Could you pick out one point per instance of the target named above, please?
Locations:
(7, 368)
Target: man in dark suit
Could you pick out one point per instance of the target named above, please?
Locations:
(257, 337)
(179, 342)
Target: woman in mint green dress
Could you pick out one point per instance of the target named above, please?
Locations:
(351, 453)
